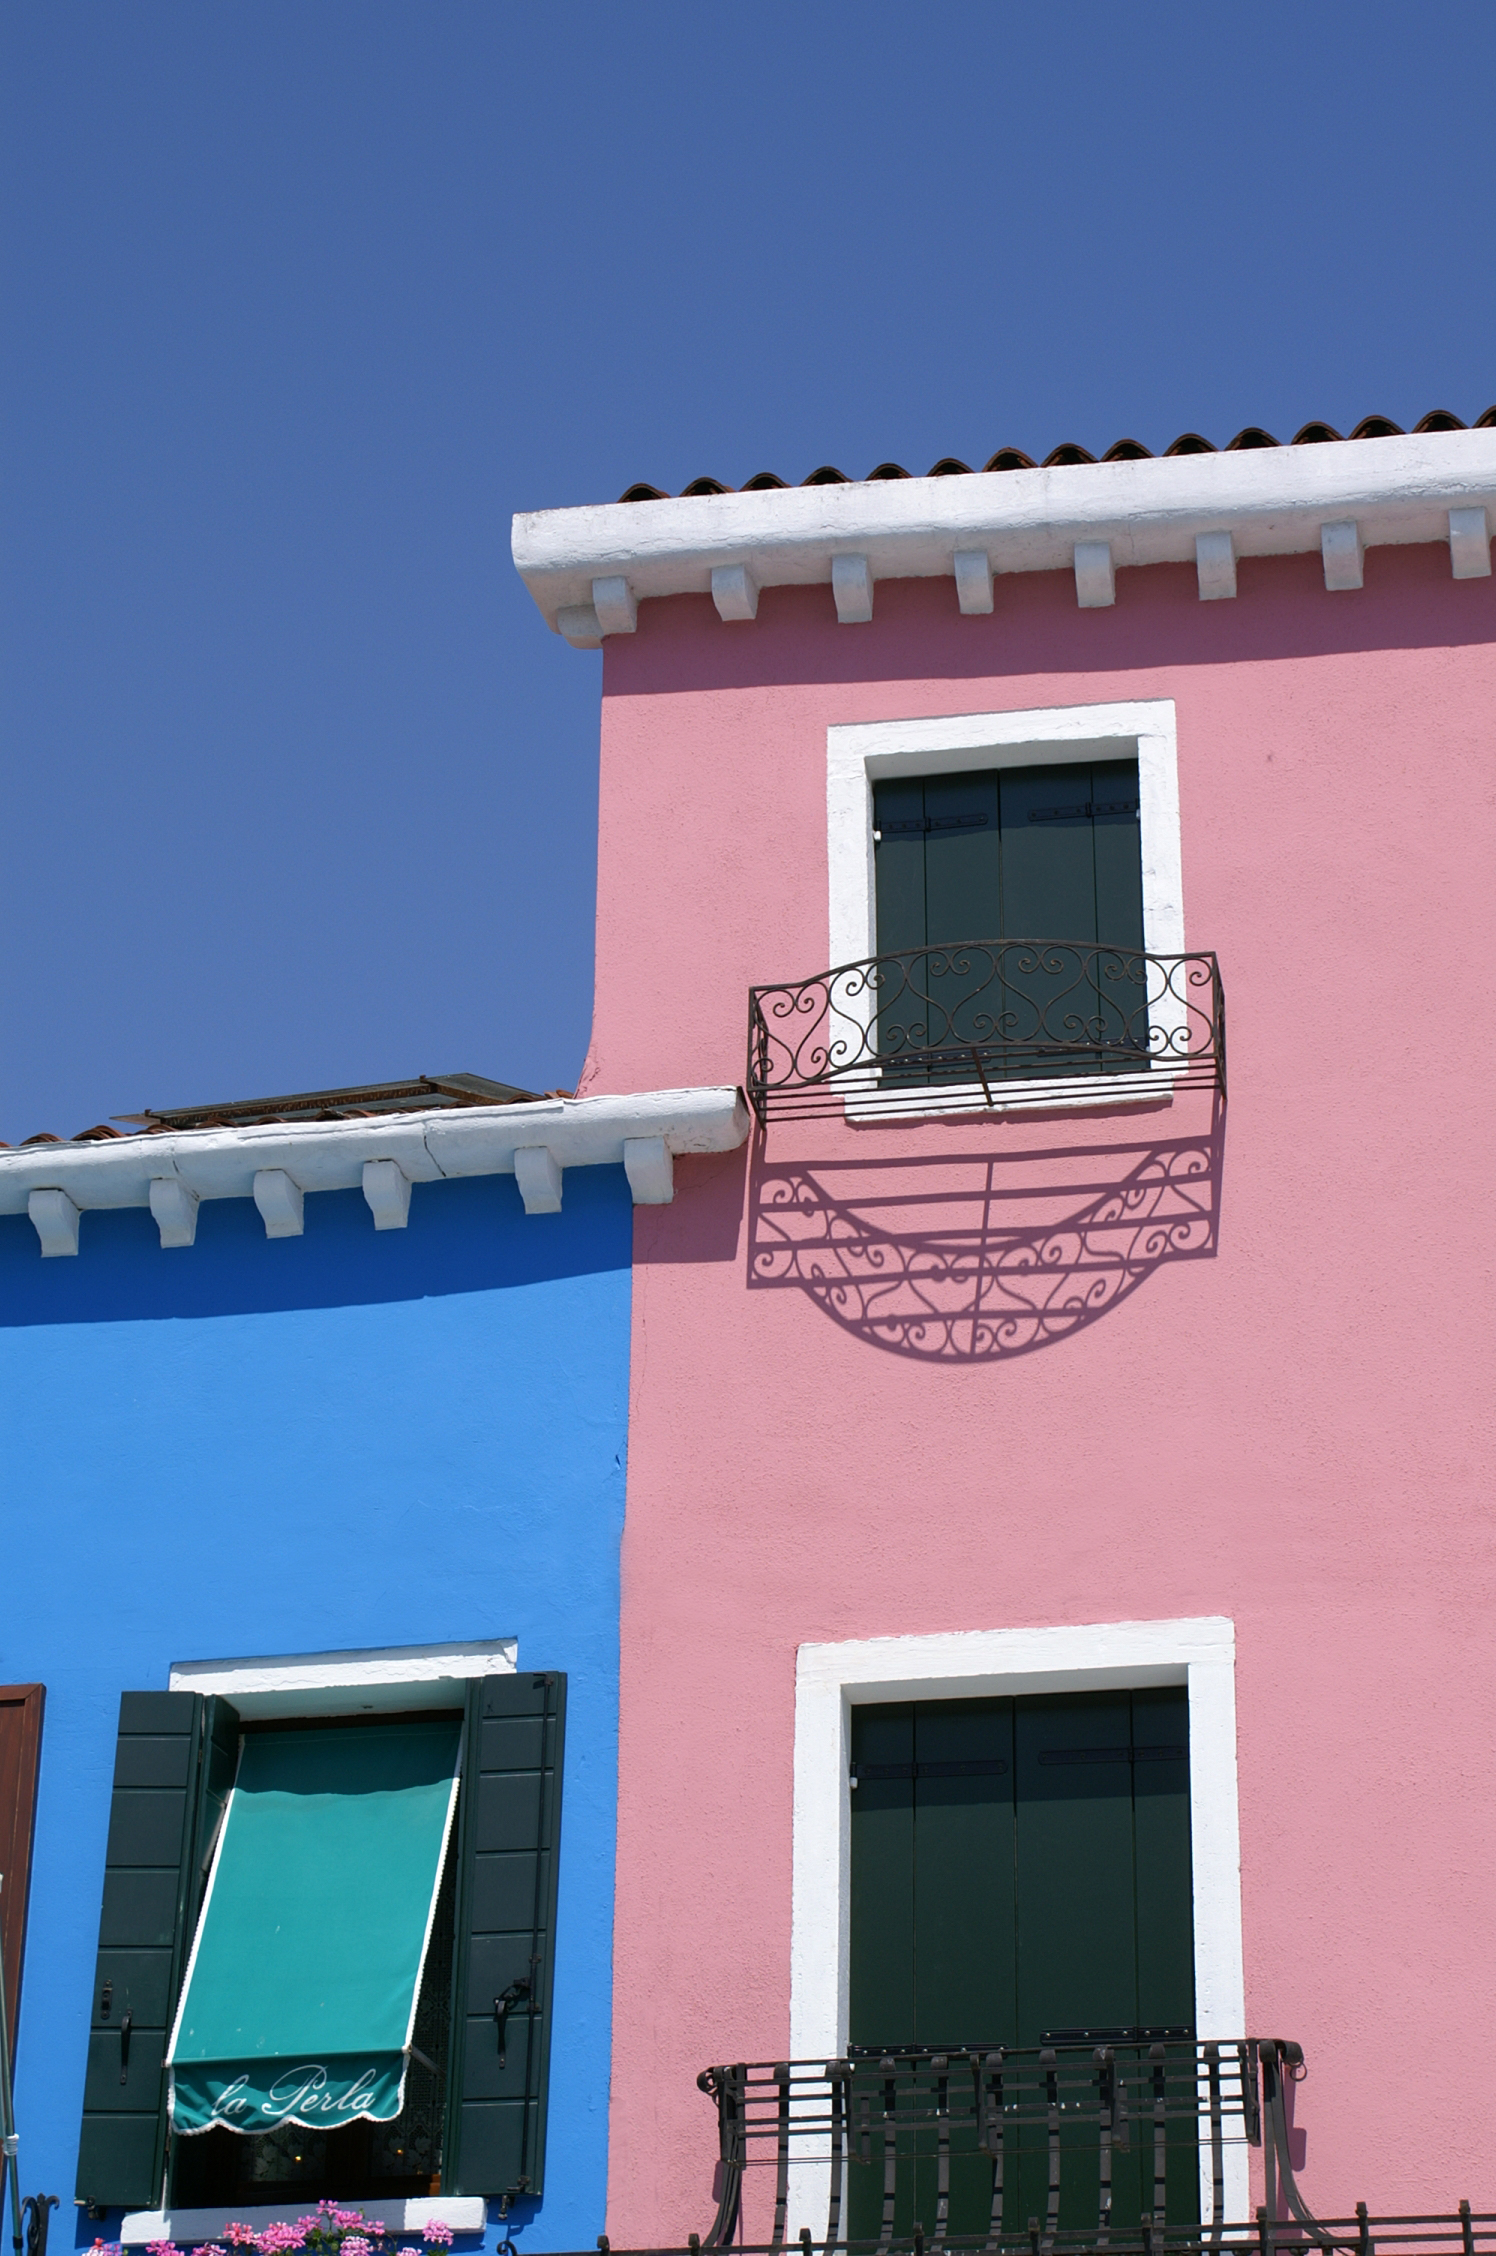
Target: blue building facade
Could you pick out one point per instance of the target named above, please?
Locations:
(348, 1440)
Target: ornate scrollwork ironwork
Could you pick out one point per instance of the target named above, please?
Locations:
(984, 1025)
(978, 1258)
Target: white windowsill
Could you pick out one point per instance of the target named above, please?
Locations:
(464, 2212)
(1078, 1094)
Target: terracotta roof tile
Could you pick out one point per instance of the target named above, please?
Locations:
(1062, 457)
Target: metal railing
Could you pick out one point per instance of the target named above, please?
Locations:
(982, 1024)
(1044, 2139)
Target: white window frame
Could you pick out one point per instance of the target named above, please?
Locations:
(378, 1679)
(830, 1680)
(862, 753)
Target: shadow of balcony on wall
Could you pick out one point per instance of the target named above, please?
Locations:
(970, 1259)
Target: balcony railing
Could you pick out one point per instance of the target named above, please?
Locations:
(986, 1024)
(1049, 2151)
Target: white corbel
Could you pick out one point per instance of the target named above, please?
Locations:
(174, 1207)
(579, 624)
(734, 591)
(650, 1170)
(539, 1179)
(280, 1203)
(852, 585)
(1095, 581)
(1470, 544)
(1215, 566)
(613, 601)
(387, 1193)
(973, 569)
(55, 1221)
(1340, 546)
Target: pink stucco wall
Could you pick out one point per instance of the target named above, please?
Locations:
(1292, 1427)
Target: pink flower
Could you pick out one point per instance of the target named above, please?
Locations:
(276, 2238)
(437, 2234)
(355, 2244)
(241, 2236)
(347, 2217)
(209, 2248)
(161, 2248)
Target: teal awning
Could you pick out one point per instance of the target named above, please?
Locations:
(300, 1995)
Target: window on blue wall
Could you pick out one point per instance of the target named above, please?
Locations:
(325, 1953)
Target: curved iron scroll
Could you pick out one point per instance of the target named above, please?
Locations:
(983, 1024)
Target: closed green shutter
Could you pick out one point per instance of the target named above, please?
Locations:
(170, 1745)
(1037, 853)
(1021, 1875)
(509, 1836)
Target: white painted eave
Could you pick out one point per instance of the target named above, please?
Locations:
(1274, 501)
(427, 1147)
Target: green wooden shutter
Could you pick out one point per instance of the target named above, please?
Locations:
(508, 1839)
(148, 1897)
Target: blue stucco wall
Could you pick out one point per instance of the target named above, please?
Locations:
(345, 1439)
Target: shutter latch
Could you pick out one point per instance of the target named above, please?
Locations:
(504, 2005)
(124, 2050)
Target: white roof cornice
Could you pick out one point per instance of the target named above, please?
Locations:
(277, 1164)
(588, 569)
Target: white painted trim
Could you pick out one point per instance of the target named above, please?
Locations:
(1470, 544)
(1215, 566)
(54, 1217)
(464, 2212)
(1272, 500)
(1344, 553)
(330, 1155)
(349, 1683)
(978, 1664)
(1095, 577)
(858, 753)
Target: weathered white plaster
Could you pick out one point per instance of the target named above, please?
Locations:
(979, 1664)
(1470, 544)
(734, 591)
(581, 626)
(859, 752)
(1215, 566)
(346, 1683)
(1272, 500)
(1095, 580)
(54, 1217)
(464, 2212)
(387, 1193)
(650, 1170)
(852, 586)
(279, 1199)
(1344, 555)
(174, 1208)
(539, 1179)
(973, 569)
(613, 601)
(330, 1155)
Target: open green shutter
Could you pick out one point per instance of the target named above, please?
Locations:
(148, 1898)
(510, 1822)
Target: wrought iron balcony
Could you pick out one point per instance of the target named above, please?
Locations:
(1051, 2151)
(983, 1025)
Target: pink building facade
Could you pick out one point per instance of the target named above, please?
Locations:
(1076, 1373)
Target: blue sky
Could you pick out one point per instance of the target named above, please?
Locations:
(303, 298)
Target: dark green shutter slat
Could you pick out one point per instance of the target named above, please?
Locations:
(509, 1837)
(1077, 1926)
(881, 2004)
(962, 872)
(899, 863)
(964, 1873)
(147, 1880)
